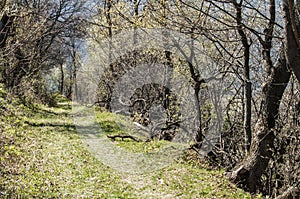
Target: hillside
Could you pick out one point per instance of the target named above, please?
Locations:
(42, 156)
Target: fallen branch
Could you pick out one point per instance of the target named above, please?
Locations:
(114, 137)
(97, 102)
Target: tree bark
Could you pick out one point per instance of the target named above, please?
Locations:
(5, 26)
(248, 173)
(292, 44)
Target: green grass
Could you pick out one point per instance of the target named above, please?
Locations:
(51, 162)
(186, 178)
(112, 124)
(42, 156)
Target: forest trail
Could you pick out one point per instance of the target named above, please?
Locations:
(55, 163)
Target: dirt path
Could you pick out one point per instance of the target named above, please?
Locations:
(134, 169)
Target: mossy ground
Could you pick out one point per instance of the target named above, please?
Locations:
(42, 156)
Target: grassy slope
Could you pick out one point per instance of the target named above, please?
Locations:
(42, 156)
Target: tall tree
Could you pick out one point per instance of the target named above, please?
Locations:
(42, 26)
(248, 173)
(246, 66)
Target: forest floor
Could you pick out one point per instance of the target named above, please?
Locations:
(43, 156)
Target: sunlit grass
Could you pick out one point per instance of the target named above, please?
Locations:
(51, 162)
(44, 157)
(186, 178)
(114, 124)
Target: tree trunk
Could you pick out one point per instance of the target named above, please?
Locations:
(5, 26)
(292, 43)
(136, 17)
(248, 173)
(110, 33)
(74, 75)
(62, 79)
(247, 82)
